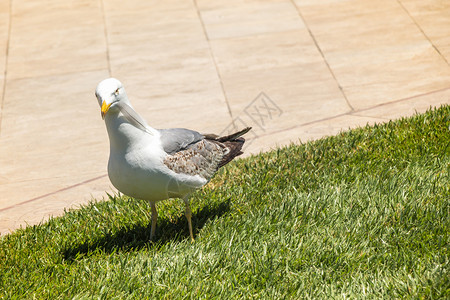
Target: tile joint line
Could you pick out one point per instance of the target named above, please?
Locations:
(108, 61)
(423, 32)
(52, 193)
(5, 72)
(214, 61)
(356, 112)
(323, 56)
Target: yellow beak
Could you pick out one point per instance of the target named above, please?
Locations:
(105, 108)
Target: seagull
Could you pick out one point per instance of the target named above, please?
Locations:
(157, 164)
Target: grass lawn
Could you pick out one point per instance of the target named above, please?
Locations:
(364, 214)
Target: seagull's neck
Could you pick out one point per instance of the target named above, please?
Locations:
(124, 136)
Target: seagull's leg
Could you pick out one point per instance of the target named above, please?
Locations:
(188, 214)
(154, 218)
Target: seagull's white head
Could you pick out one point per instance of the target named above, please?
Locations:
(112, 97)
(109, 92)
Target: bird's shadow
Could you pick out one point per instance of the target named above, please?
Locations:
(138, 237)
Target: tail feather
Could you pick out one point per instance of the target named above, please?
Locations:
(233, 142)
(234, 148)
(233, 136)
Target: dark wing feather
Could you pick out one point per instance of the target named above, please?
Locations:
(202, 158)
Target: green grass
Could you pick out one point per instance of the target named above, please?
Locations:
(364, 214)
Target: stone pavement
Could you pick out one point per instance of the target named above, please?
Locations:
(294, 70)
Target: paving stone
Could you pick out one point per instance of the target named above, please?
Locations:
(376, 51)
(55, 37)
(4, 35)
(52, 137)
(233, 19)
(432, 17)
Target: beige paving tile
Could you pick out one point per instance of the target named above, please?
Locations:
(193, 84)
(51, 128)
(264, 51)
(357, 24)
(265, 141)
(40, 208)
(433, 18)
(386, 59)
(64, 37)
(297, 94)
(4, 36)
(53, 147)
(4, 32)
(407, 107)
(417, 70)
(148, 28)
(289, 70)
(22, 193)
(146, 7)
(230, 19)
(204, 118)
(220, 4)
(167, 72)
(164, 39)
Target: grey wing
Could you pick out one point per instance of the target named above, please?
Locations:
(202, 158)
(177, 139)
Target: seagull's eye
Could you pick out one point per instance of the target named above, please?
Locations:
(116, 92)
